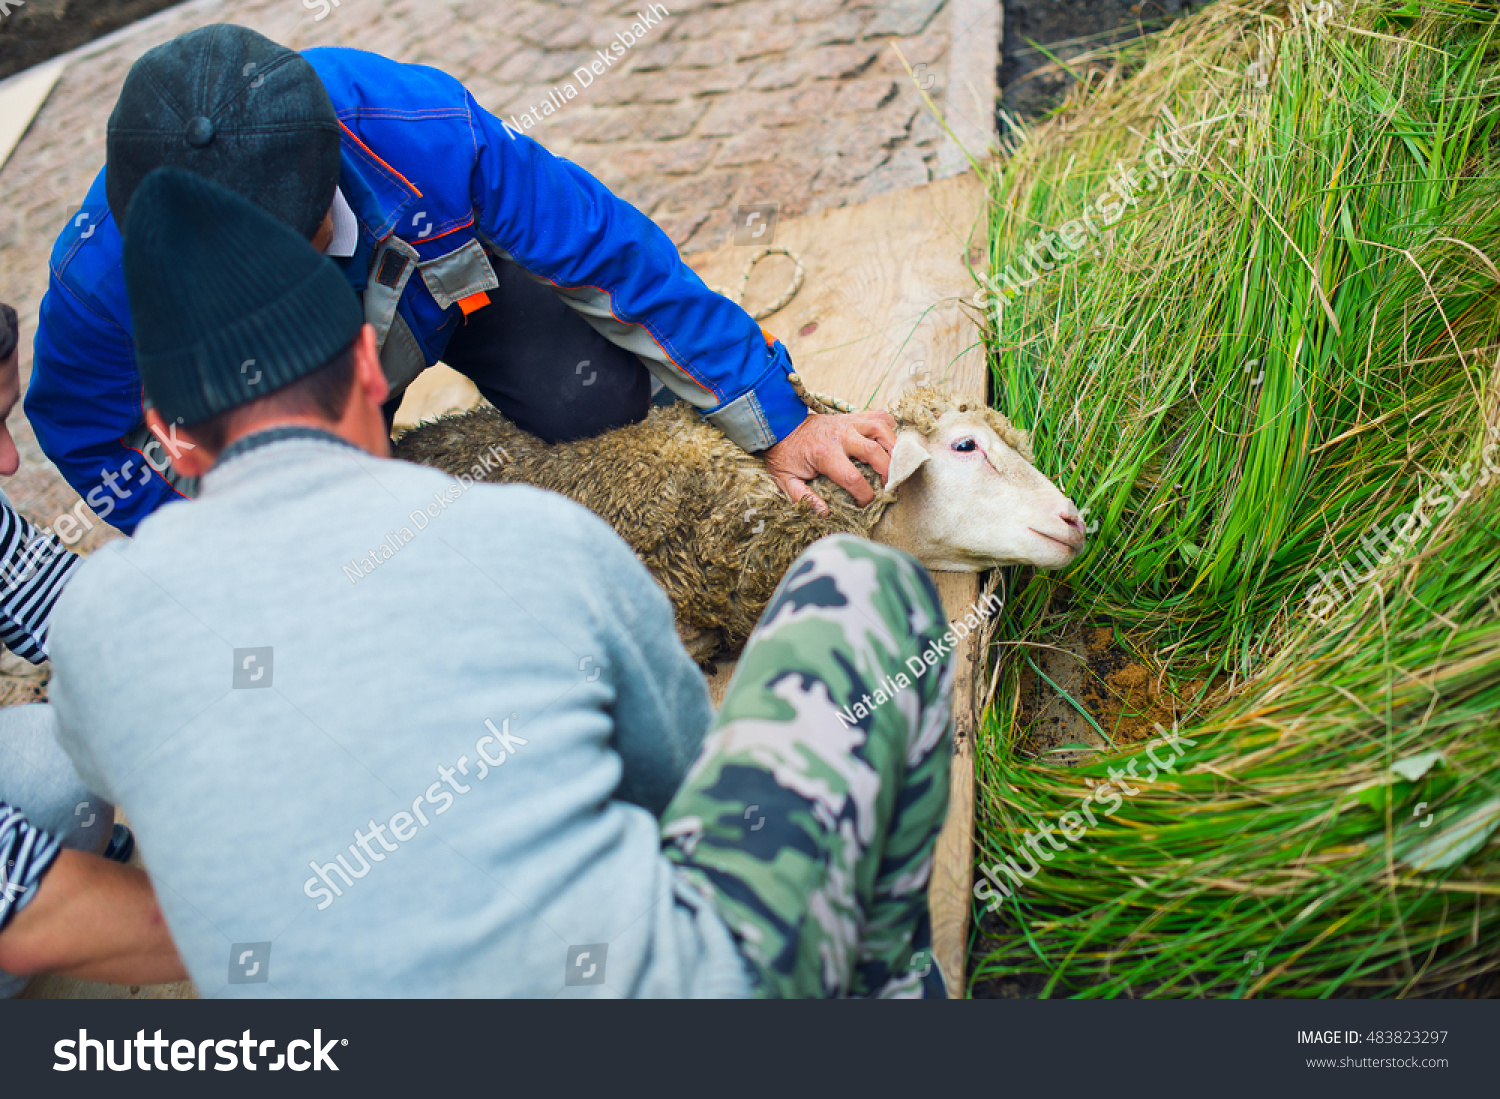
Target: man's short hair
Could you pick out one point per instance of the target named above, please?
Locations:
(324, 393)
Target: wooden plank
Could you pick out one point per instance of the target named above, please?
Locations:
(437, 391)
(21, 97)
(878, 312)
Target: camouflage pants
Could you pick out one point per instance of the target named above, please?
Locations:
(811, 815)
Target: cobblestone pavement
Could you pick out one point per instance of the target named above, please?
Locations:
(800, 103)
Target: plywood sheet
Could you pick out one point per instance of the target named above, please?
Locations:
(878, 312)
(20, 98)
(437, 391)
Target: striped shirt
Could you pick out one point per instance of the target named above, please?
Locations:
(26, 853)
(34, 566)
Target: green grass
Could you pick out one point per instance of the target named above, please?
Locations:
(1338, 230)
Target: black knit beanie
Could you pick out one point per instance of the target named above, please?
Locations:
(236, 108)
(228, 303)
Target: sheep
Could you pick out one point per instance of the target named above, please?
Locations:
(718, 533)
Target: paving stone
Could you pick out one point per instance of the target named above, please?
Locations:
(654, 57)
(667, 158)
(730, 114)
(864, 95)
(550, 21)
(850, 167)
(519, 67)
(785, 183)
(798, 106)
(766, 41)
(905, 168)
(711, 234)
(780, 74)
(929, 49)
(840, 30)
(576, 33)
(815, 11)
(708, 191)
(669, 121)
(843, 62)
(903, 17)
(608, 125)
(681, 226)
(754, 147)
(710, 53)
(564, 65)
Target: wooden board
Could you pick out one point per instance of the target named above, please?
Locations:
(437, 391)
(879, 311)
(21, 97)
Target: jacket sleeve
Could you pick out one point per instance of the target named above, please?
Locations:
(83, 401)
(613, 265)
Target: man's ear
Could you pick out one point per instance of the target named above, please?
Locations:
(368, 374)
(906, 459)
(186, 456)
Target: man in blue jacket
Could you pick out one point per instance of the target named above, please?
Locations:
(466, 241)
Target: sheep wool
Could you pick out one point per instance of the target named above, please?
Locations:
(705, 517)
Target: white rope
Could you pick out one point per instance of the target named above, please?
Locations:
(780, 303)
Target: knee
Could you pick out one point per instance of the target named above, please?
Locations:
(40, 781)
(891, 569)
(586, 404)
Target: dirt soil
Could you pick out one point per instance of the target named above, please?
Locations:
(1030, 83)
(1123, 694)
(42, 29)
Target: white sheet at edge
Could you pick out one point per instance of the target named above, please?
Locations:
(20, 99)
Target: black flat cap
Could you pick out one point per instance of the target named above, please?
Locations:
(232, 106)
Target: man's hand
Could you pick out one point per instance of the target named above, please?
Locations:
(826, 445)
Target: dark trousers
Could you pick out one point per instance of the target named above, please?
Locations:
(540, 363)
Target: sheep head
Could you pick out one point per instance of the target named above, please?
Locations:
(969, 497)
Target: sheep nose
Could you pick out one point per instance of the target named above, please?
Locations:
(1074, 519)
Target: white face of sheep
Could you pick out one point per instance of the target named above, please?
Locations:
(971, 502)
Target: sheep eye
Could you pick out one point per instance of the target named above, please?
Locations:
(965, 446)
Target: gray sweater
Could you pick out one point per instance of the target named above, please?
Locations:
(370, 725)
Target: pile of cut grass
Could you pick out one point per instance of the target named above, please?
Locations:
(1290, 341)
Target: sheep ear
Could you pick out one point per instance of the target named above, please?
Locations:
(906, 459)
